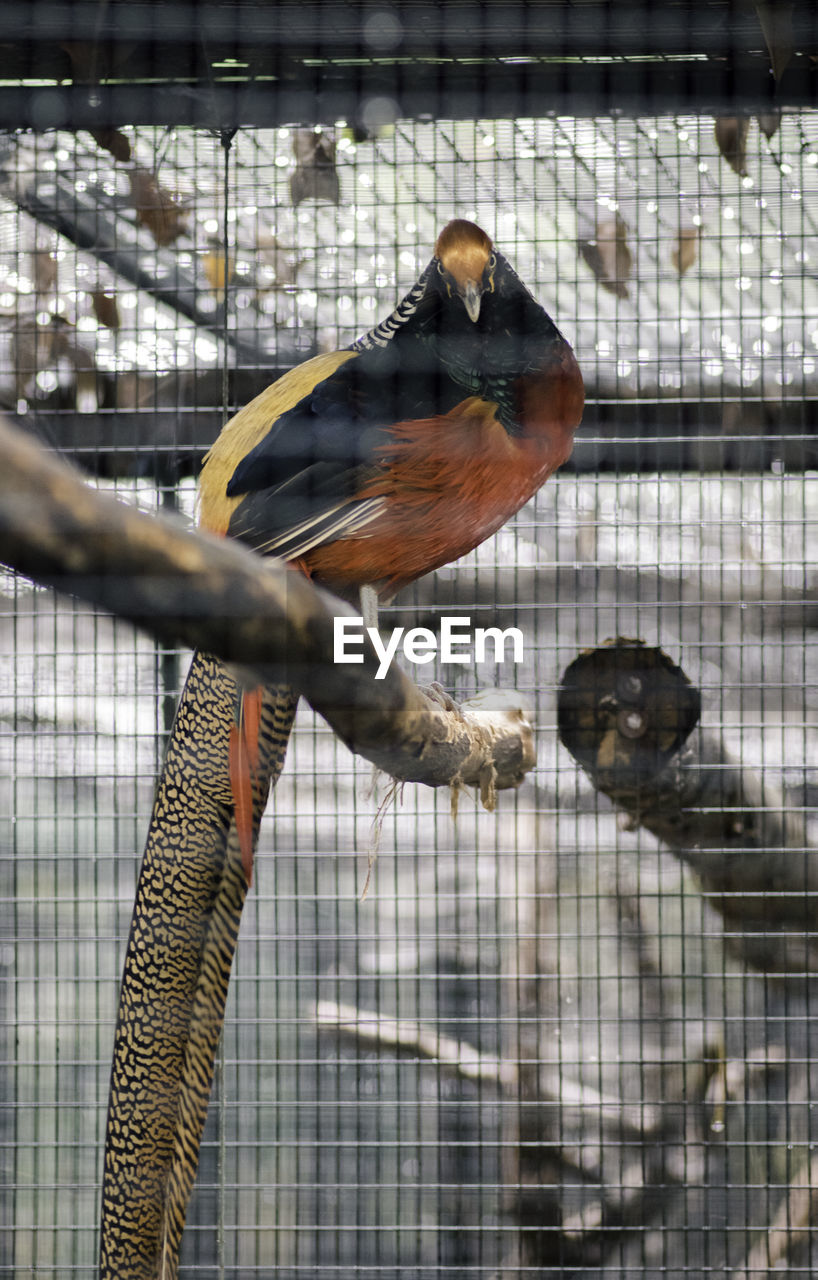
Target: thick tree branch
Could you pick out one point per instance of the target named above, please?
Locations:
(370, 1027)
(625, 713)
(214, 594)
(788, 1228)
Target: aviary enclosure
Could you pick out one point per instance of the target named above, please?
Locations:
(572, 1035)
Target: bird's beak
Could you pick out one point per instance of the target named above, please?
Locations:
(471, 300)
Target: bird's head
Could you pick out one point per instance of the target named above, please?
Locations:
(465, 263)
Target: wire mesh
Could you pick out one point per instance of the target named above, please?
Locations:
(534, 1046)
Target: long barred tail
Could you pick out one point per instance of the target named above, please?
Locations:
(185, 923)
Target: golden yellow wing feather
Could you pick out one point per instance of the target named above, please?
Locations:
(243, 432)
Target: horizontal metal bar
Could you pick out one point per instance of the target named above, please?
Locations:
(172, 442)
(460, 27)
(421, 91)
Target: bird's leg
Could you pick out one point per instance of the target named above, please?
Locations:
(369, 605)
(368, 597)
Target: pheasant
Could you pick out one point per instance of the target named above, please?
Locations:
(363, 468)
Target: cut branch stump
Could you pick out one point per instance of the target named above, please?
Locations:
(627, 714)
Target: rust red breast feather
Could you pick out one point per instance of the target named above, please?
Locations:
(453, 480)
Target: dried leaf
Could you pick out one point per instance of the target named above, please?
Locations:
(275, 256)
(95, 61)
(311, 146)
(368, 131)
(87, 390)
(105, 308)
(84, 58)
(135, 390)
(769, 123)
(156, 208)
(52, 347)
(218, 268)
(775, 17)
(114, 141)
(606, 252)
(44, 266)
(731, 139)
(315, 176)
(685, 250)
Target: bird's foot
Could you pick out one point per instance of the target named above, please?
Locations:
(438, 694)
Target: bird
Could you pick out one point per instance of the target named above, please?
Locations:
(363, 468)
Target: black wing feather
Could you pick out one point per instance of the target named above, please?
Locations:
(341, 419)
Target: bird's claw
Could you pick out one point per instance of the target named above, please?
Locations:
(438, 694)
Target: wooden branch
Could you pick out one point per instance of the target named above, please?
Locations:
(366, 1026)
(403, 1036)
(214, 594)
(625, 713)
(789, 1226)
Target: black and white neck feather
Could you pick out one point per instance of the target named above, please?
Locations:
(404, 312)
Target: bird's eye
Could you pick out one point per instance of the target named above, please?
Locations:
(488, 274)
(447, 279)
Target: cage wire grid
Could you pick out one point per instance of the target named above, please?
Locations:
(533, 1048)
